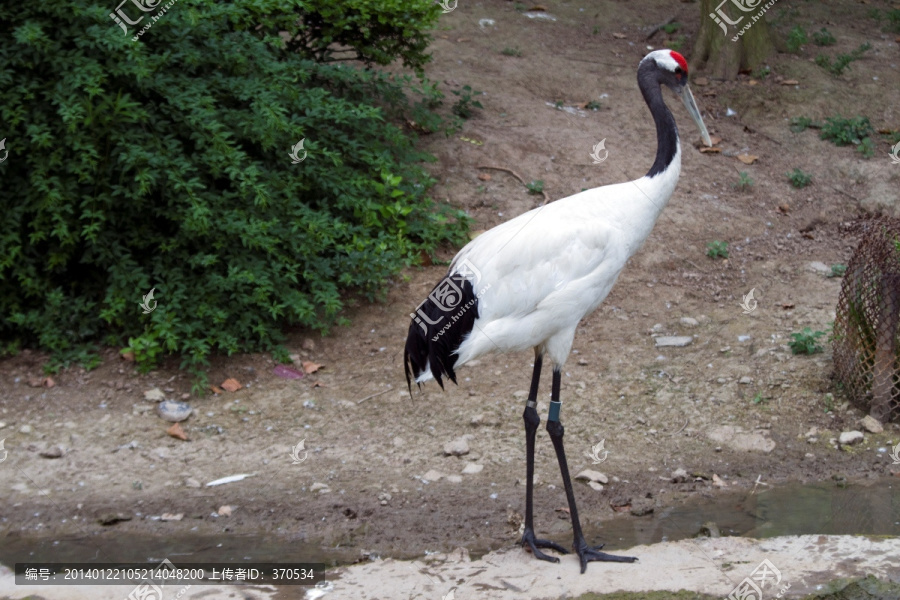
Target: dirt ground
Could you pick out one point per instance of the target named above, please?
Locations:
(360, 489)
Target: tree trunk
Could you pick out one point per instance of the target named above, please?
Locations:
(725, 45)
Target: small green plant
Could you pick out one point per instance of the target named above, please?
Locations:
(511, 52)
(823, 37)
(535, 187)
(463, 107)
(842, 61)
(799, 179)
(761, 73)
(829, 403)
(677, 43)
(799, 124)
(838, 270)
(671, 28)
(596, 30)
(717, 249)
(891, 16)
(559, 104)
(796, 38)
(844, 132)
(806, 342)
(592, 105)
(758, 399)
(744, 182)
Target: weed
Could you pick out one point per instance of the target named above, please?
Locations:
(842, 61)
(758, 399)
(535, 187)
(596, 30)
(463, 107)
(717, 249)
(823, 37)
(806, 342)
(799, 124)
(761, 73)
(829, 403)
(671, 27)
(559, 104)
(799, 179)
(856, 131)
(838, 270)
(744, 183)
(796, 38)
(511, 52)
(592, 105)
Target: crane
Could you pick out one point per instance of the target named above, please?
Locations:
(528, 282)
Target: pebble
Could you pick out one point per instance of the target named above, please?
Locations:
(25, 429)
(154, 395)
(679, 476)
(743, 338)
(172, 411)
(590, 475)
(595, 486)
(689, 321)
(673, 341)
(820, 268)
(848, 438)
(520, 394)
(871, 424)
(2, 424)
(319, 487)
(191, 483)
(433, 475)
(224, 511)
(454, 478)
(458, 447)
(472, 468)
(52, 452)
(745, 380)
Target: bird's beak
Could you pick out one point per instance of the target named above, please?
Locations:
(688, 98)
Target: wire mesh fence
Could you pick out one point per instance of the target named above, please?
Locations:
(867, 324)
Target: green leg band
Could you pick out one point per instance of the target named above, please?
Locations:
(554, 411)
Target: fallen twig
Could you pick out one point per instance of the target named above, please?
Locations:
(390, 387)
(656, 29)
(514, 174)
(682, 427)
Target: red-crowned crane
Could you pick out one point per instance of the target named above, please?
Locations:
(528, 282)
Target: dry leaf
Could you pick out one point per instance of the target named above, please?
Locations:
(484, 177)
(706, 150)
(563, 510)
(463, 40)
(310, 367)
(808, 236)
(619, 36)
(177, 432)
(717, 481)
(790, 82)
(538, 7)
(171, 517)
(224, 511)
(787, 306)
(747, 159)
(231, 385)
(127, 356)
(216, 389)
(753, 82)
(48, 382)
(710, 93)
(701, 81)
(784, 208)
(714, 141)
(318, 384)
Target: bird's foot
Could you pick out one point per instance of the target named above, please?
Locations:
(590, 554)
(532, 542)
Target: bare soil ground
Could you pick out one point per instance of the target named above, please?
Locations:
(655, 408)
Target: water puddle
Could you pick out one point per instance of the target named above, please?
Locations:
(821, 508)
(793, 509)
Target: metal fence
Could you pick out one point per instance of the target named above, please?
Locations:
(867, 325)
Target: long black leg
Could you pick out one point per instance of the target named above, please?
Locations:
(532, 420)
(556, 431)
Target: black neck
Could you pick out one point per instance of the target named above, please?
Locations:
(666, 131)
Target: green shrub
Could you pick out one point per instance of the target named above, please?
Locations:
(796, 38)
(744, 182)
(844, 132)
(799, 179)
(163, 163)
(823, 37)
(806, 342)
(842, 61)
(717, 249)
(463, 107)
(535, 187)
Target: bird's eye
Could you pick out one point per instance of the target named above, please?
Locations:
(679, 71)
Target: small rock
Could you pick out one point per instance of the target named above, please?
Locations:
(520, 394)
(848, 438)
(25, 429)
(172, 411)
(813, 432)
(679, 476)
(154, 395)
(590, 475)
(191, 483)
(2, 424)
(171, 516)
(641, 507)
(112, 519)
(308, 345)
(52, 452)
(458, 447)
(820, 268)
(433, 475)
(224, 511)
(472, 468)
(745, 380)
(709, 529)
(871, 424)
(689, 321)
(673, 341)
(318, 487)
(454, 478)
(595, 486)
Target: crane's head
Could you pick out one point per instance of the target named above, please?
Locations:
(670, 68)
